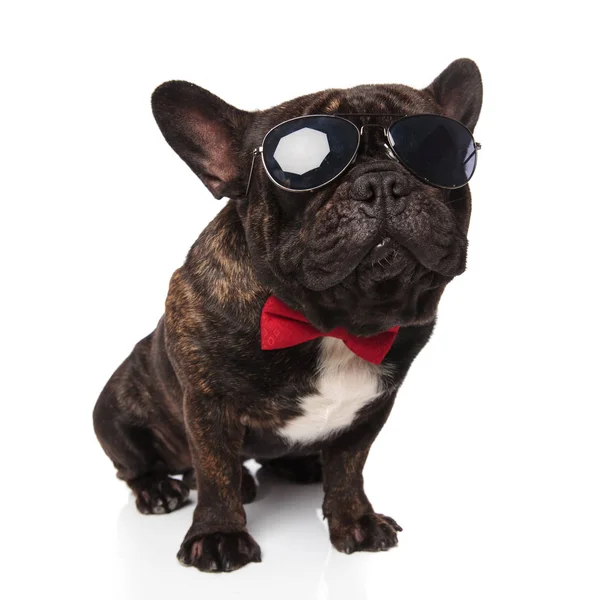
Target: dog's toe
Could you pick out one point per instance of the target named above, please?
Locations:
(370, 533)
(219, 552)
(159, 496)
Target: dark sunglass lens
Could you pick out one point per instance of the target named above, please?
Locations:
(437, 149)
(305, 153)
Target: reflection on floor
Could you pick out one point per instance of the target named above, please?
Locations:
(285, 519)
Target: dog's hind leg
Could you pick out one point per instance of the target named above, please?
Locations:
(299, 469)
(122, 425)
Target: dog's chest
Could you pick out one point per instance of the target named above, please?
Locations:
(345, 383)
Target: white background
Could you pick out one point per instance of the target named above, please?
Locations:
(490, 458)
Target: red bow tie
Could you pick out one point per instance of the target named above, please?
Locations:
(282, 327)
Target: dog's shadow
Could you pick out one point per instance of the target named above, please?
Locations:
(285, 519)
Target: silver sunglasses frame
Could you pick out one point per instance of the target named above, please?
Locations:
(389, 148)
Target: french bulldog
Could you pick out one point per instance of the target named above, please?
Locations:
(367, 255)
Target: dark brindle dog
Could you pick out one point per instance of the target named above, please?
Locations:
(369, 252)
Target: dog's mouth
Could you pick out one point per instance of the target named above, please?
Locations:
(381, 252)
(387, 259)
(386, 280)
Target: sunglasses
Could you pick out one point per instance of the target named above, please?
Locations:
(308, 152)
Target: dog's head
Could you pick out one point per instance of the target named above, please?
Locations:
(372, 249)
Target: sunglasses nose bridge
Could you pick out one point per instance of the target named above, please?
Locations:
(386, 144)
(364, 126)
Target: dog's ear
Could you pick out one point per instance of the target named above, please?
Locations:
(205, 131)
(458, 90)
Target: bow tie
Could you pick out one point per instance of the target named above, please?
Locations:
(282, 327)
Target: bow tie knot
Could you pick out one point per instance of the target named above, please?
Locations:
(282, 327)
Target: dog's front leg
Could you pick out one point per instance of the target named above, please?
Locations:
(217, 539)
(353, 524)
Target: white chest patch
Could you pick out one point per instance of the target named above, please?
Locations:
(345, 383)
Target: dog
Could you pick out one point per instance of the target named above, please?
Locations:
(297, 313)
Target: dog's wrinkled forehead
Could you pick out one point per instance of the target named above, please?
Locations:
(367, 99)
(363, 100)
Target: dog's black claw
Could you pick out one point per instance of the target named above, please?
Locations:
(392, 523)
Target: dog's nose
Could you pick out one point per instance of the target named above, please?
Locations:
(379, 185)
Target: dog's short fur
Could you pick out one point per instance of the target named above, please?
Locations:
(198, 396)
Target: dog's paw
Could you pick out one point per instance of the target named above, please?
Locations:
(218, 552)
(159, 496)
(371, 533)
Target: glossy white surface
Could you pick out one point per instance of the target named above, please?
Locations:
(490, 458)
(480, 515)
